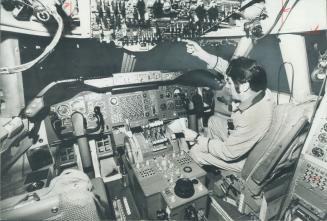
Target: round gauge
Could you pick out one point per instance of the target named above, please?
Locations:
(325, 127)
(63, 110)
(78, 105)
(177, 92)
(322, 137)
(113, 101)
(317, 152)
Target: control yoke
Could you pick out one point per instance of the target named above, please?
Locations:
(79, 130)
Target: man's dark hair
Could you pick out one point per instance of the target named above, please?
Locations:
(243, 70)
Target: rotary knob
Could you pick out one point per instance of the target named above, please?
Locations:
(317, 152)
(114, 101)
(322, 137)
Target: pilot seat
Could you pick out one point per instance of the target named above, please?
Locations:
(260, 188)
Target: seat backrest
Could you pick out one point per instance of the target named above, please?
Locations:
(70, 196)
(272, 152)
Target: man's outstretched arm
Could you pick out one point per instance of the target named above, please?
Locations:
(213, 62)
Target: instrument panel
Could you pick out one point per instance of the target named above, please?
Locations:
(319, 143)
(136, 25)
(117, 109)
(147, 22)
(84, 103)
(167, 102)
(309, 188)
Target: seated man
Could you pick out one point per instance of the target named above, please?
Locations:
(226, 146)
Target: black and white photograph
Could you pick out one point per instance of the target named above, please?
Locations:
(195, 110)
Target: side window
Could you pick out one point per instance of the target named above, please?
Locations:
(320, 40)
(267, 53)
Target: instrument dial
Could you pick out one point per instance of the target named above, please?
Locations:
(317, 152)
(177, 92)
(63, 110)
(114, 101)
(322, 137)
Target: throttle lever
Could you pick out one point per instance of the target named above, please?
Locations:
(79, 131)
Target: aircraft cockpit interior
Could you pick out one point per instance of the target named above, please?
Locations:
(163, 110)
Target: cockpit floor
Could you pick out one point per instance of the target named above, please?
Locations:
(228, 211)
